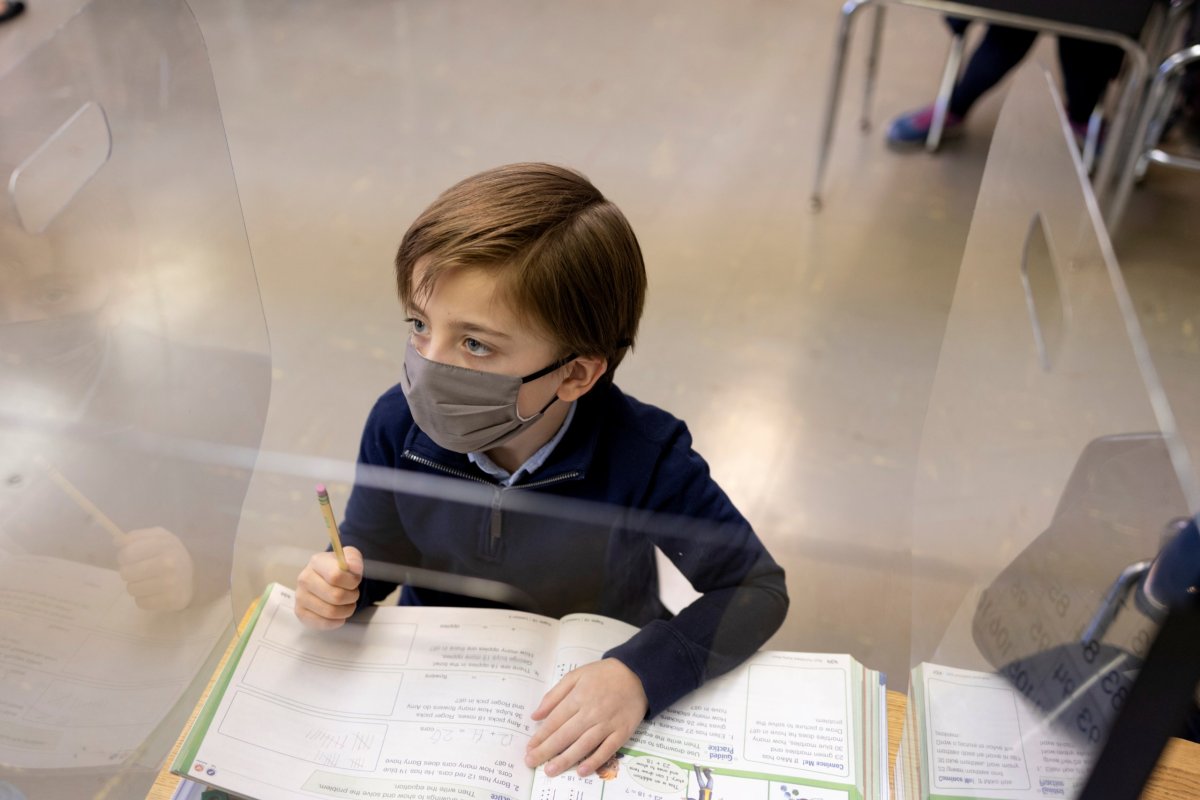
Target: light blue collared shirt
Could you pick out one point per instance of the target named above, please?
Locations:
(506, 479)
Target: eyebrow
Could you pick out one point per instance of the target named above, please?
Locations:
(461, 325)
(470, 327)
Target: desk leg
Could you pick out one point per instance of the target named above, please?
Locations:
(872, 68)
(941, 106)
(1114, 174)
(834, 94)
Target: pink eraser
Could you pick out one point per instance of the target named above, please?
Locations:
(320, 488)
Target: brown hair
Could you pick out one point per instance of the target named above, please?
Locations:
(567, 258)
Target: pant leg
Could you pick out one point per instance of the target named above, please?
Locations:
(1191, 77)
(1001, 49)
(1087, 67)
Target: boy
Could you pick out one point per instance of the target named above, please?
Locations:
(524, 287)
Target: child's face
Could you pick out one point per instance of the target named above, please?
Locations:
(464, 321)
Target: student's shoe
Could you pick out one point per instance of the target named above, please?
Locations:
(10, 9)
(913, 128)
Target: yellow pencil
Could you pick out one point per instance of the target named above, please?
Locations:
(119, 536)
(331, 523)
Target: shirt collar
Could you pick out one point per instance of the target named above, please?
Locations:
(531, 464)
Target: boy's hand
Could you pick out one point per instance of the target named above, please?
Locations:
(591, 712)
(325, 593)
(157, 569)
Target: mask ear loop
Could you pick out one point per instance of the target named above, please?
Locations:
(533, 376)
(553, 400)
(540, 374)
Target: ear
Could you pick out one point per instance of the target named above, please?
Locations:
(582, 374)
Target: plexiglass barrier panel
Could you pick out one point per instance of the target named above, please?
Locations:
(1049, 475)
(130, 334)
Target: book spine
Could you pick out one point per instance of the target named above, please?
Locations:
(191, 745)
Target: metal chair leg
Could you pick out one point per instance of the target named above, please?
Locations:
(872, 68)
(1159, 114)
(1156, 111)
(1172, 21)
(833, 95)
(942, 105)
(1124, 151)
(1127, 166)
(1109, 184)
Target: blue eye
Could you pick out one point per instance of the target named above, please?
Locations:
(418, 326)
(476, 347)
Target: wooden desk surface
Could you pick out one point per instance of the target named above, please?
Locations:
(1177, 776)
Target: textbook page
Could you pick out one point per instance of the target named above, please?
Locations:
(780, 723)
(981, 738)
(87, 675)
(413, 704)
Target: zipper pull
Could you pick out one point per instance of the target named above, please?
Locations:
(495, 528)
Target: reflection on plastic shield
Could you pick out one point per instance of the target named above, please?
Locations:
(1047, 467)
(77, 662)
(44, 184)
(1039, 276)
(130, 322)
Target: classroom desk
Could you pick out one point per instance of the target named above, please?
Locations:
(1177, 776)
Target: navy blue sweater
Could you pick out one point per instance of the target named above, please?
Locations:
(624, 459)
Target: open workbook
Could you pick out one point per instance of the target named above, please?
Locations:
(435, 703)
(974, 735)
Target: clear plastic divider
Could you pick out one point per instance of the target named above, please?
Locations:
(1049, 476)
(130, 334)
(134, 379)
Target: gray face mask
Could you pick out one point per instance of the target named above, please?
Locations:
(466, 410)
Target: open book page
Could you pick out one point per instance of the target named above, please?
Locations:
(781, 723)
(982, 738)
(88, 674)
(413, 704)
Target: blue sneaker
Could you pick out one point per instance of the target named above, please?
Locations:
(913, 128)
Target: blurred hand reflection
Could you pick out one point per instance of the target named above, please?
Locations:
(157, 570)
(67, 358)
(118, 599)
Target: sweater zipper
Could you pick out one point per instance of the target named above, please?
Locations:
(495, 528)
(458, 473)
(566, 476)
